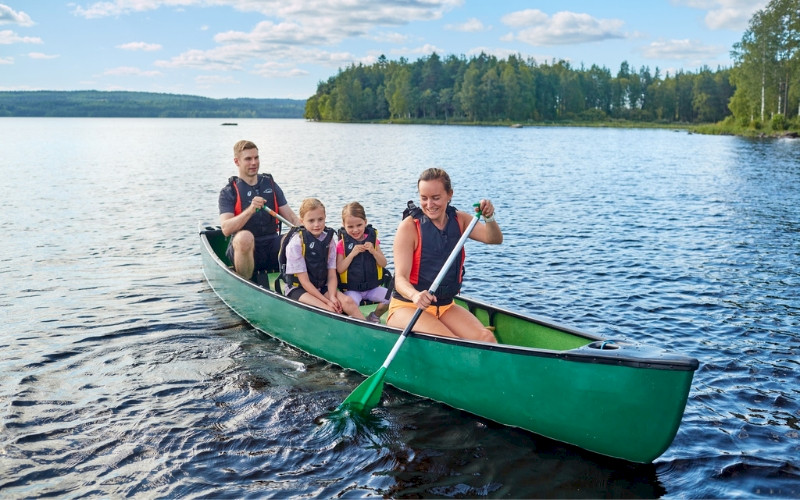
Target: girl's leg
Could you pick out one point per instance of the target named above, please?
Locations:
(309, 299)
(356, 296)
(349, 306)
(381, 308)
(378, 295)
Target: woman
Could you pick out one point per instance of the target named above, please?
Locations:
(422, 244)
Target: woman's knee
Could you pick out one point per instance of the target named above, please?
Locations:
(486, 335)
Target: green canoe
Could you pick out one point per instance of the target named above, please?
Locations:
(612, 397)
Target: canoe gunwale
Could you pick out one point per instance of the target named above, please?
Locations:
(587, 354)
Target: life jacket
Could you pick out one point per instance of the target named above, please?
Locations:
(261, 223)
(315, 253)
(434, 247)
(364, 272)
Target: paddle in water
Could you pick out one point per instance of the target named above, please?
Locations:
(367, 395)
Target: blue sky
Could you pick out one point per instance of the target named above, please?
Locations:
(283, 48)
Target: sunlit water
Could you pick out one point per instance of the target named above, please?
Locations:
(124, 375)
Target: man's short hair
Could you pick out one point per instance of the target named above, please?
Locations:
(243, 145)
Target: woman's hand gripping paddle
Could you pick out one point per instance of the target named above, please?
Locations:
(367, 395)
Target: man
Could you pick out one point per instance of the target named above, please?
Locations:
(242, 203)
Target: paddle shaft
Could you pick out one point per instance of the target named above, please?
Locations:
(279, 216)
(436, 282)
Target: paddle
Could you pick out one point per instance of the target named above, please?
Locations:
(368, 394)
(276, 214)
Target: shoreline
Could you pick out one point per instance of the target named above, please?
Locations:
(703, 129)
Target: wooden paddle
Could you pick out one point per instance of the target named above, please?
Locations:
(368, 394)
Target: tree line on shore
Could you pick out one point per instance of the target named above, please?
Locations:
(93, 103)
(484, 88)
(766, 69)
(762, 90)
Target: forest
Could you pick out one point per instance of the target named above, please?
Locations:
(93, 103)
(761, 90)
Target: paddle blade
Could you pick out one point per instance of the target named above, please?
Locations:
(367, 395)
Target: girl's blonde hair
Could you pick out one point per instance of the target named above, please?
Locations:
(354, 209)
(310, 204)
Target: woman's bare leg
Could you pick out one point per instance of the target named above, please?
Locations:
(426, 323)
(466, 326)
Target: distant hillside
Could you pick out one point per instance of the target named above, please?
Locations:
(93, 103)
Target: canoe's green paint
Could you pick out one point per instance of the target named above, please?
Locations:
(556, 386)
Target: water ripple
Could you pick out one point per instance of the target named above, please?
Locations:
(124, 375)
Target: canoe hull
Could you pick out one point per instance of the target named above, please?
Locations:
(626, 402)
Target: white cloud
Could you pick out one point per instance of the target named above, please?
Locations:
(7, 60)
(217, 59)
(473, 25)
(390, 37)
(287, 34)
(426, 49)
(523, 18)
(39, 55)
(130, 71)
(147, 47)
(691, 51)
(562, 28)
(279, 70)
(351, 12)
(267, 32)
(7, 37)
(9, 16)
(726, 14)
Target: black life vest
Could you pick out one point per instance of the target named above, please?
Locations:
(261, 223)
(315, 253)
(434, 247)
(364, 272)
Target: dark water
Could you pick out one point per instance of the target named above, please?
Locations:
(124, 375)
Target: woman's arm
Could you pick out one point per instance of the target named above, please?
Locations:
(488, 232)
(405, 241)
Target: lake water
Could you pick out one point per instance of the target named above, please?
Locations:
(124, 375)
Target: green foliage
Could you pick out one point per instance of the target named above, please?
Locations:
(484, 89)
(767, 69)
(92, 103)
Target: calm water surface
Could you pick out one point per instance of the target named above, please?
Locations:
(124, 375)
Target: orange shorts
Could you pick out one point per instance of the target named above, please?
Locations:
(433, 309)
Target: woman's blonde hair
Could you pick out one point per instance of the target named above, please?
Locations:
(310, 204)
(354, 209)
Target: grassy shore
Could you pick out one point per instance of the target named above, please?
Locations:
(773, 128)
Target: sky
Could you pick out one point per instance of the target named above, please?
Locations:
(284, 48)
